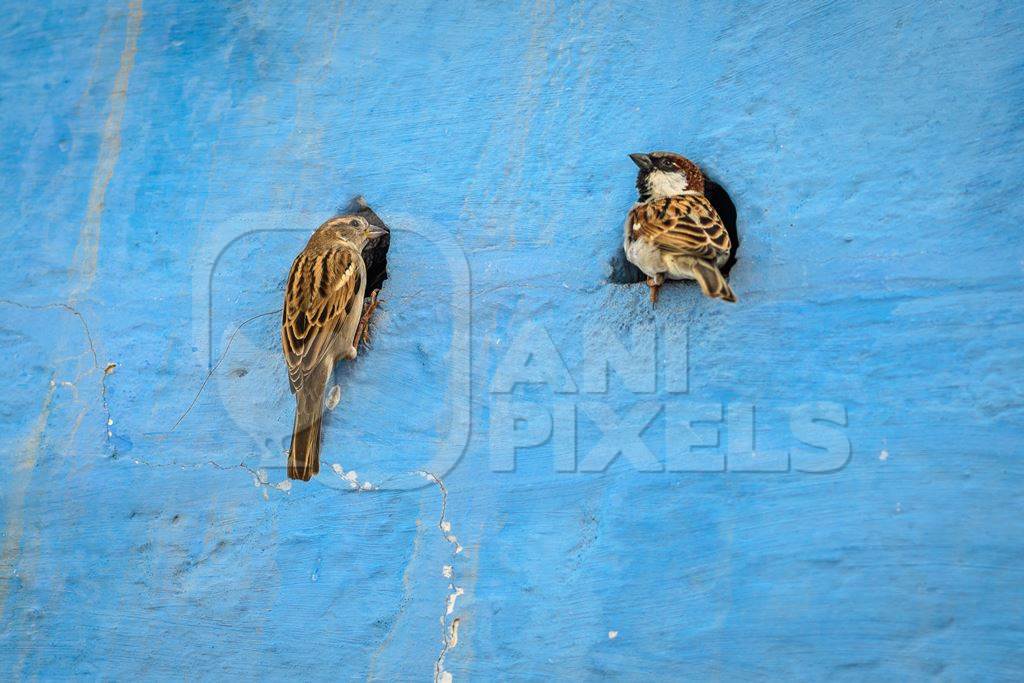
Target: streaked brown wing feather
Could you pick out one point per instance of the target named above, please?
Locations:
(322, 287)
(684, 225)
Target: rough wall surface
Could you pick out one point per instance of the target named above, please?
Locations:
(164, 161)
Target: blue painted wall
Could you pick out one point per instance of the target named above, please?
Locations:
(164, 161)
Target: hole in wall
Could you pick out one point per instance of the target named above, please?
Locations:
(375, 253)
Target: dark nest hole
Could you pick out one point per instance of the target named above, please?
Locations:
(625, 273)
(375, 253)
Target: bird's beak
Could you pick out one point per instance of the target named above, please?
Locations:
(375, 231)
(641, 160)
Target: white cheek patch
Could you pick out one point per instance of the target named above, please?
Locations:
(664, 184)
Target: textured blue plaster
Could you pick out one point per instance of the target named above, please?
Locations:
(873, 152)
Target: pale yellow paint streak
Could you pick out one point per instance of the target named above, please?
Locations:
(20, 478)
(87, 252)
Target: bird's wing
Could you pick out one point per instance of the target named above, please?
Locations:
(685, 225)
(322, 290)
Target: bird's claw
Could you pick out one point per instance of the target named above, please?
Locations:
(363, 332)
(655, 286)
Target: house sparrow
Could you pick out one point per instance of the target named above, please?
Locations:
(323, 316)
(673, 230)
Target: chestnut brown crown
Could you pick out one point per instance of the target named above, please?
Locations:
(656, 166)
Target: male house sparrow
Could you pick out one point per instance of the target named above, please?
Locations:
(673, 230)
(323, 315)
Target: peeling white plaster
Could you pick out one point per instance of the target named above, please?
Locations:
(449, 632)
(352, 477)
(333, 397)
(452, 597)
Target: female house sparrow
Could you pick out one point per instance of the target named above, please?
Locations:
(673, 230)
(323, 312)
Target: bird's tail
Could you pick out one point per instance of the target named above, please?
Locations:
(711, 281)
(304, 454)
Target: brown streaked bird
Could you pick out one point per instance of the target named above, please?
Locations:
(673, 231)
(323, 315)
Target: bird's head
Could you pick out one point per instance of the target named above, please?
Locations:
(356, 229)
(664, 174)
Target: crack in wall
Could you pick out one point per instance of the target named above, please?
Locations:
(449, 629)
(106, 371)
(223, 355)
(261, 478)
(259, 475)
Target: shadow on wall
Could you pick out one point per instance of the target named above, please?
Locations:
(622, 272)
